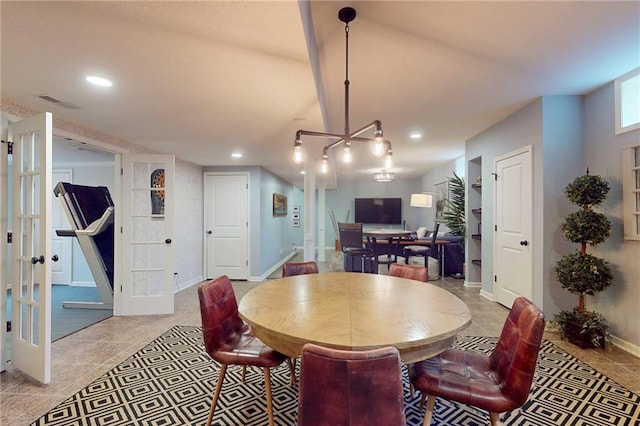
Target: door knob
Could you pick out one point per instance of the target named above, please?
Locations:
(524, 243)
(209, 232)
(35, 260)
(168, 241)
(55, 258)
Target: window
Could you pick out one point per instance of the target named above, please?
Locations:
(627, 102)
(631, 192)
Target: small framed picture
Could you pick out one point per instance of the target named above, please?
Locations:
(296, 224)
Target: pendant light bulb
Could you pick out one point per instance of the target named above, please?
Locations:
(324, 168)
(378, 147)
(297, 151)
(346, 153)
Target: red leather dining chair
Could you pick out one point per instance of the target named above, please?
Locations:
(413, 272)
(498, 382)
(229, 341)
(292, 268)
(354, 388)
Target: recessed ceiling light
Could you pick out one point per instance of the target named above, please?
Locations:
(301, 172)
(99, 81)
(236, 155)
(415, 135)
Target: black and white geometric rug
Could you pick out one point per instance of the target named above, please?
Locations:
(171, 380)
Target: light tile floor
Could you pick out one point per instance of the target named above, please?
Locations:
(82, 357)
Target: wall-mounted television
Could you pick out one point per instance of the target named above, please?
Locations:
(387, 211)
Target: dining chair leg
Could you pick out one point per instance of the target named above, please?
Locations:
(291, 362)
(244, 372)
(428, 413)
(216, 393)
(495, 419)
(267, 387)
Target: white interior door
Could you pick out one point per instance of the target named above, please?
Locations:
(513, 218)
(227, 225)
(147, 233)
(61, 246)
(31, 281)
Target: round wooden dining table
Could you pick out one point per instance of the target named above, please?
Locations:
(355, 311)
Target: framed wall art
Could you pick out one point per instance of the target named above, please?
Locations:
(441, 191)
(279, 205)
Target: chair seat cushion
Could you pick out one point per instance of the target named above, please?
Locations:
(247, 349)
(416, 249)
(462, 376)
(354, 251)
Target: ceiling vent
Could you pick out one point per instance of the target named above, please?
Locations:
(58, 102)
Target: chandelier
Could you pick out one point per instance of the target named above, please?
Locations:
(383, 176)
(382, 147)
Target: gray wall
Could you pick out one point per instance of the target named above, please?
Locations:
(603, 155)
(518, 130)
(568, 134)
(341, 200)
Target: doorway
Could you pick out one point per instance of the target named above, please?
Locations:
(84, 165)
(78, 163)
(226, 227)
(513, 252)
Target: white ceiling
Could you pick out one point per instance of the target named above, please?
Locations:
(203, 79)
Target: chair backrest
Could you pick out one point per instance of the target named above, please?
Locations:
(516, 353)
(350, 235)
(291, 268)
(434, 236)
(413, 272)
(219, 313)
(350, 387)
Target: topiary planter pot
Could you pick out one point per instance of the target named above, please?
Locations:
(573, 333)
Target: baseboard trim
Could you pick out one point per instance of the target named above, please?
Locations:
(487, 295)
(83, 284)
(275, 267)
(472, 284)
(626, 346)
(186, 284)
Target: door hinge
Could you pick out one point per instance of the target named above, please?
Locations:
(495, 278)
(495, 176)
(9, 326)
(121, 230)
(495, 227)
(246, 262)
(121, 171)
(9, 237)
(9, 147)
(120, 288)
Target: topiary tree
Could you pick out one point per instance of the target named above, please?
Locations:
(580, 272)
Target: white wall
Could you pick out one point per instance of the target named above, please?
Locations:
(188, 229)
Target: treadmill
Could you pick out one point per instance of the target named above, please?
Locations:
(90, 211)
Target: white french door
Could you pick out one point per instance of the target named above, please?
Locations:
(147, 285)
(31, 280)
(513, 252)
